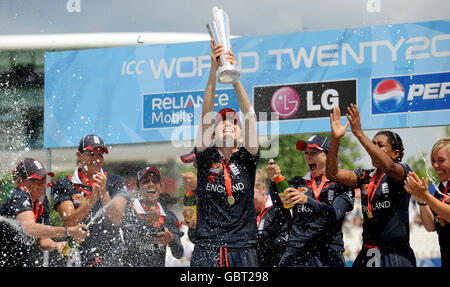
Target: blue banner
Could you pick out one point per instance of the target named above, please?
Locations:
(398, 75)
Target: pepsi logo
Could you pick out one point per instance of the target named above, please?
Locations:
(388, 95)
(285, 101)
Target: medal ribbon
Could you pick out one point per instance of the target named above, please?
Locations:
(227, 177)
(38, 206)
(262, 213)
(372, 189)
(317, 190)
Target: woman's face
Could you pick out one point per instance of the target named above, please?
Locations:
(227, 133)
(440, 161)
(91, 161)
(316, 161)
(149, 189)
(382, 142)
(36, 187)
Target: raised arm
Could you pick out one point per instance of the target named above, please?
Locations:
(332, 170)
(250, 132)
(207, 120)
(379, 157)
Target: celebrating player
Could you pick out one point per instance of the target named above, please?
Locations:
(319, 207)
(384, 200)
(83, 196)
(29, 207)
(226, 226)
(435, 210)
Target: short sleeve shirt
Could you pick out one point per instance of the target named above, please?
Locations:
(220, 224)
(443, 228)
(318, 222)
(103, 236)
(15, 246)
(390, 221)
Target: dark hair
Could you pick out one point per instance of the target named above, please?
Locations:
(396, 143)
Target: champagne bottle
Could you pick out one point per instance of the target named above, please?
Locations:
(190, 206)
(281, 185)
(72, 245)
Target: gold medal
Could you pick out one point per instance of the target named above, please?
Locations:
(230, 200)
(369, 213)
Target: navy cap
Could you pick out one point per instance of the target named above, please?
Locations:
(91, 142)
(319, 142)
(148, 170)
(31, 168)
(189, 157)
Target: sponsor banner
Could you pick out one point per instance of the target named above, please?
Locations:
(412, 93)
(171, 110)
(304, 101)
(397, 75)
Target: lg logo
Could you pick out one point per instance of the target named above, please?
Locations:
(73, 6)
(304, 100)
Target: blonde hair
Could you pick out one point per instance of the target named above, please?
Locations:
(444, 142)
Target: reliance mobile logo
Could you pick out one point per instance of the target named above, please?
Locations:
(411, 93)
(169, 110)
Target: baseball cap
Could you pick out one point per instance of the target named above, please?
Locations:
(149, 170)
(188, 157)
(319, 142)
(227, 113)
(91, 142)
(31, 168)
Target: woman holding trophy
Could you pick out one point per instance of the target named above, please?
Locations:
(227, 155)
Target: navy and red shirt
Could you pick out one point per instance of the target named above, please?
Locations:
(318, 222)
(273, 234)
(16, 246)
(388, 224)
(220, 224)
(443, 226)
(141, 249)
(104, 239)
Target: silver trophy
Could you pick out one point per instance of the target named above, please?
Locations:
(219, 29)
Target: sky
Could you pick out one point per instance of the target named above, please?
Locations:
(247, 18)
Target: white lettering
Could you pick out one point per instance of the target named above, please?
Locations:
(430, 91)
(330, 99)
(373, 6)
(434, 51)
(193, 71)
(410, 50)
(310, 106)
(321, 55)
(162, 66)
(253, 55)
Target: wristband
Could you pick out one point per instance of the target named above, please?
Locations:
(421, 203)
(67, 231)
